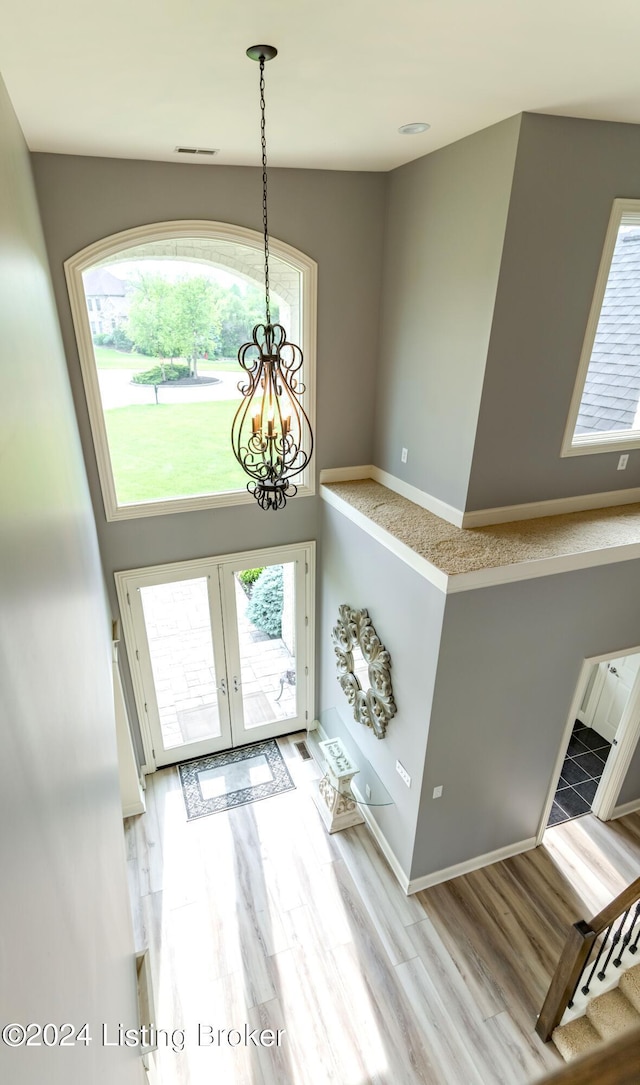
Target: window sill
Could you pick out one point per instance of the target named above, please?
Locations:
(197, 503)
(612, 442)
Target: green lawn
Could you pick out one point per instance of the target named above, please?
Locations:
(221, 365)
(172, 450)
(108, 358)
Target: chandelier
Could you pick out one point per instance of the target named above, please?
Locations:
(271, 433)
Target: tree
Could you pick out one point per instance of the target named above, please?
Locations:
(152, 319)
(197, 319)
(175, 320)
(267, 600)
(240, 312)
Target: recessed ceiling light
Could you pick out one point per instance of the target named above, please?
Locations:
(413, 129)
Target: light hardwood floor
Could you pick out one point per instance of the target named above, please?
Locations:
(257, 916)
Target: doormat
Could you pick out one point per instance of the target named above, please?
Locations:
(233, 778)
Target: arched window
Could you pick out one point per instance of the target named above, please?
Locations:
(159, 314)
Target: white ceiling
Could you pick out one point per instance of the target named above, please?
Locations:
(135, 78)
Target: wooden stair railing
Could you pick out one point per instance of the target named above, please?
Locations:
(615, 1064)
(575, 958)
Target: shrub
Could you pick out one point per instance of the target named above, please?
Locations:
(248, 578)
(171, 371)
(265, 606)
(120, 340)
(116, 339)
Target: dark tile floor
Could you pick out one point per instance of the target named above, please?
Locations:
(581, 772)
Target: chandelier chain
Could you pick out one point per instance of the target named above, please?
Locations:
(271, 433)
(265, 224)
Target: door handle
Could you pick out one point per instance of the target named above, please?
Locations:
(223, 687)
(612, 670)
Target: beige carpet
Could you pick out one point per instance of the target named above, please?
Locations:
(607, 1016)
(456, 550)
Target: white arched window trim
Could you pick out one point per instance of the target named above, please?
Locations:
(117, 244)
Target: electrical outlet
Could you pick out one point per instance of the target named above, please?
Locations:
(623, 461)
(437, 792)
(403, 774)
(405, 453)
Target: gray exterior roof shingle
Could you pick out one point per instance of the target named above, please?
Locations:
(98, 282)
(612, 388)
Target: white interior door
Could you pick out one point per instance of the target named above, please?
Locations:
(219, 650)
(619, 676)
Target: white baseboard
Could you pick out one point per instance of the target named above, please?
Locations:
(346, 474)
(371, 823)
(405, 489)
(416, 884)
(419, 497)
(627, 808)
(134, 808)
(555, 507)
(384, 845)
(501, 514)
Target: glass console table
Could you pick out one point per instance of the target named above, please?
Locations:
(349, 781)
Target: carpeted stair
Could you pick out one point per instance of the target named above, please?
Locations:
(606, 1017)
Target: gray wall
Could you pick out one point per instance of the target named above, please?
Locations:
(510, 658)
(65, 931)
(567, 174)
(407, 613)
(445, 225)
(335, 217)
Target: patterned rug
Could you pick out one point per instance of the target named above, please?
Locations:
(223, 781)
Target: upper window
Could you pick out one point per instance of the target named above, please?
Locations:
(605, 409)
(160, 370)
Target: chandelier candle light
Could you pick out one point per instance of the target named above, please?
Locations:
(271, 433)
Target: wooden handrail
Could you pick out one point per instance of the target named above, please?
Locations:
(624, 900)
(574, 957)
(614, 1064)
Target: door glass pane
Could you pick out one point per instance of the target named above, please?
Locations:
(178, 629)
(265, 608)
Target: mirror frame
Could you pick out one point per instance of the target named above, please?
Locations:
(375, 706)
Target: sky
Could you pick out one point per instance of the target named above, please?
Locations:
(172, 270)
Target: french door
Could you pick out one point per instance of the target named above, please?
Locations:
(220, 650)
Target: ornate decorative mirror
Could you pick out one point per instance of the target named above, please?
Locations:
(364, 669)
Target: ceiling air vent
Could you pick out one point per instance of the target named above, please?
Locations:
(196, 150)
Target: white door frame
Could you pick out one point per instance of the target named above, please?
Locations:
(127, 580)
(618, 762)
